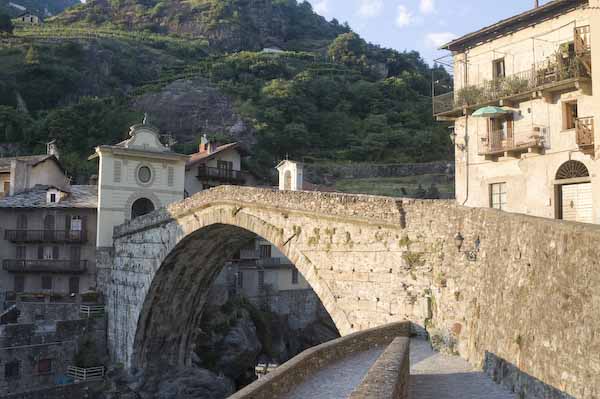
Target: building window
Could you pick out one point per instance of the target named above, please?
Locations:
(498, 196)
(294, 276)
(265, 251)
(46, 282)
(499, 69)
(261, 280)
(12, 370)
(21, 252)
(22, 222)
(6, 188)
(48, 253)
(74, 285)
(44, 366)
(52, 198)
(240, 279)
(19, 284)
(570, 115)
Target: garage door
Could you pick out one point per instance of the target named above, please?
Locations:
(577, 202)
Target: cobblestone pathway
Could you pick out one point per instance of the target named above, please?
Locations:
(438, 376)
(338, 380)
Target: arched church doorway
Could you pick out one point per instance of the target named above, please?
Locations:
(141, 207)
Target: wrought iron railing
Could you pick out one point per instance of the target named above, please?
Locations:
(220, 174)
(73, 236)
(547, 73)
(44, 265)
(521, 140)
(585, 132)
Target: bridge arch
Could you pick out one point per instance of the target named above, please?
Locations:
(174, 302)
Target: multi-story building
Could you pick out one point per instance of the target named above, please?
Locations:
(524, 103)
(47, 236)
(214, 165)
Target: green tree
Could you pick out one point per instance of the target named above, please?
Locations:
(350, 49)
(6, 25)
(32, 58)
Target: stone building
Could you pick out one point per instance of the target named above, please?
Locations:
(524, 109)
(136, 176)
(47, 236)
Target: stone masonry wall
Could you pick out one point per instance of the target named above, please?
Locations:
(27, 344)
(527, 297)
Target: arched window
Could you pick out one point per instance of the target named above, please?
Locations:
(287, 180)
(571, 170)
(141, 207)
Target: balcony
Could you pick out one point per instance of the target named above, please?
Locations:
(44, 266)
(34, 236)
(500, 143)
(220, 174)
(563, 71)
(585, 134)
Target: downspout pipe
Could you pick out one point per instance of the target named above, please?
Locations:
(466, 158)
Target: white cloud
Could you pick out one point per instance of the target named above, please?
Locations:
(404, 17)
(370, 8)
(427, 6)
(321, 7)
(437, 39)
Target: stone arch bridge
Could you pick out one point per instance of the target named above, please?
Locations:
(518, 293)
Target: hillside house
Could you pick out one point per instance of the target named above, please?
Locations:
(524, 104)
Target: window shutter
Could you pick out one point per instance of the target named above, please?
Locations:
(55, 252)
(67, 222)
(117, 172)
(40, 252)
(171, 176)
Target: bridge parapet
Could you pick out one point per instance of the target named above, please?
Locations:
(290, 374)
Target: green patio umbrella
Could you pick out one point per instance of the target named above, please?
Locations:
(490, 112)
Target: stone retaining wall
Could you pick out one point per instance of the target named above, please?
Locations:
(90, 390)
(293, 372)
(389, 377)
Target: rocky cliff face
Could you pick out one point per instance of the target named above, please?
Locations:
(189, 108)
(231, 25)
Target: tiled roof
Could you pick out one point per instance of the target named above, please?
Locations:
(78, 197)
(205, 156)
(30, 159)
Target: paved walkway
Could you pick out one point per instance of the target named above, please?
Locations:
(433, 376)
(338, 380)
(438, 376)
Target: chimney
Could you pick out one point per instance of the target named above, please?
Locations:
(536, 3)
(52, 149)
(204, 145)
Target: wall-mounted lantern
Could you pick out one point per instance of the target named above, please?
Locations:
(453, 139)
(471, 254)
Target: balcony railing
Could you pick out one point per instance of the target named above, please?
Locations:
(44, 266)
(544, 76)
(585, 134)
(523, 140)
(72, 236)
(228, 175)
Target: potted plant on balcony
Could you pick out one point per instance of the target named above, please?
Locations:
(469, 95)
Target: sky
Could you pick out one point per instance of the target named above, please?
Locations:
(421, 25)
